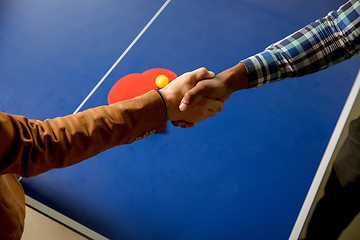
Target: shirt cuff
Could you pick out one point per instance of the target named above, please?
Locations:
(159, 109)
(162, 97)
(262, 68)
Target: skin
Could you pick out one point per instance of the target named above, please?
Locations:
(201, 108)
(218, 88)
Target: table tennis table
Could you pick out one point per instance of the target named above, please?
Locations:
(243, 174)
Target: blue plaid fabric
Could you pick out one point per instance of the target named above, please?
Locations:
(319, 45)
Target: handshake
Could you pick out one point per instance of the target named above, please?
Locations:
(196, 96)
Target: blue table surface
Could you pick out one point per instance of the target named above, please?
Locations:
(243, 174)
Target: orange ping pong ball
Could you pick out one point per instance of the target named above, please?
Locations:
(161, 81)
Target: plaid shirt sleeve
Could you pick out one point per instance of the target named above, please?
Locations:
(321, 44)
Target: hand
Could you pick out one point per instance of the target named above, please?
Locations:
(220, 87)
(201, 108)
(211, 88)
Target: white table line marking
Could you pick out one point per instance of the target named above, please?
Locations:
(122, 55)
(120, 58)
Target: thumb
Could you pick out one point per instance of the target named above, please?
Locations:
(196, 76)
(200, 89)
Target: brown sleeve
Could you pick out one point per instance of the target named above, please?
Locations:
(30, 147)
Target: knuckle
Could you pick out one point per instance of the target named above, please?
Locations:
(202, 88)
(202, 71)
(221, 107)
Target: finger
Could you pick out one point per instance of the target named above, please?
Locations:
(203, 73)
(200, 74)
(211, 89)
(211, 113)
(189, 97)
(188, 125)
(207, 114)
(214, 105)
(207, 108)
(178, 123)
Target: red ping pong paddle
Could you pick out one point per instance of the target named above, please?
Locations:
(136, 84)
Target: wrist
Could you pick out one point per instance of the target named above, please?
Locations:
(169, 102)
(235, 78)
(162, 97)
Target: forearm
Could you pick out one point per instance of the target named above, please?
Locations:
(319, 45)
(31, 147)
